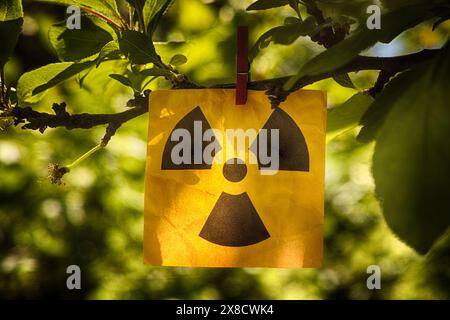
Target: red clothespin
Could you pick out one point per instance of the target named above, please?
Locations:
(242, 65)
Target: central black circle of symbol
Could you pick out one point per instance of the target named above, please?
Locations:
(234, 170)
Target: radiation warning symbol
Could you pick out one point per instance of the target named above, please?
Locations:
(212, 200)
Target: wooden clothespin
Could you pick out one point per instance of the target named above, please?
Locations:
(242, 65)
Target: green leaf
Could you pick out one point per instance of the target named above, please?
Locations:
(375, 115)
(138, 5)
(77, 44)
(63, 75)
(394, 23)
(146, 10)
(285, 34)
(135, 80)
(347, 116)
(11, 20)
(138, 47)
(81, 77)
(33, 85)
(11, 10)
(156, 72)
(151, 8)
(9, 34)
(122, 79)
(411, 163)
(345, 81)
(267, 4)
(111, 50)
(178, 60)
(107, 8)
(434, 270)
(157, 15)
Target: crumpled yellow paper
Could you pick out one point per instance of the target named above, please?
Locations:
(178, 202)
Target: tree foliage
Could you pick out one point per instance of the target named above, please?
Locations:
(406, 112)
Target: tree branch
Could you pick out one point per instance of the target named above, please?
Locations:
(35, 120)
(391, 65)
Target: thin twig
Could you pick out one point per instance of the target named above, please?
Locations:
(106, 18)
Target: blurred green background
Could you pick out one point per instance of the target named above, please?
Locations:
(95, 220)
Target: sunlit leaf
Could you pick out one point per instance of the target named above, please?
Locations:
(77, 44)
(122, 79)
(151, 8)
(178, 60)
(157, 14)
(146, 10)
(138, 47)
(411, 163)
(156, 72)
(111, 50)
(347, 115)
(11, 10)
(33, 85)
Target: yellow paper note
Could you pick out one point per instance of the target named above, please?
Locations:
(245, 209)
